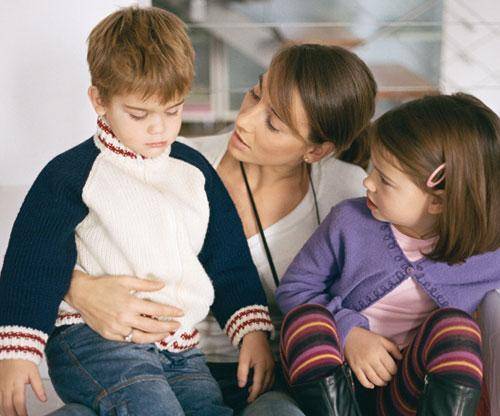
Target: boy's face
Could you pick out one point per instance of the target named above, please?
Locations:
(146, 127)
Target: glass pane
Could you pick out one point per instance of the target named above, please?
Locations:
(243, 74)
(400, 41)
(199, 99)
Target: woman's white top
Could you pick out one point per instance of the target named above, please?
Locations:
(333, 181)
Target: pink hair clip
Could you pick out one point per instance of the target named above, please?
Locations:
(432, 181)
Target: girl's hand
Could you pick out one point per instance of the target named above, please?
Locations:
(371, 357)
(256, 353)
(14, 375)
(108, 306)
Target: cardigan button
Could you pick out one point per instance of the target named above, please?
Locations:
(410, 270)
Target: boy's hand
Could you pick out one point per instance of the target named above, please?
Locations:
(256, 353)
(371, 357)
(14, 374)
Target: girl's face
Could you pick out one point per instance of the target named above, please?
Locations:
(393, 197)
(261, 138)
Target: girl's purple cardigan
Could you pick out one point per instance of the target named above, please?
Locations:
(352, 260)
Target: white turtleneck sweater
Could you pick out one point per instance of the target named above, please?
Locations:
(117, 213)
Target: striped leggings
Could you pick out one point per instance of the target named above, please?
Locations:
(448, 343)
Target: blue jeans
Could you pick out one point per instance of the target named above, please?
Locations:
(276, 402)
(119, 378)
(73, 410)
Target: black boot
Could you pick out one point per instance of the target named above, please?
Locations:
(330, 396)
(444, 397)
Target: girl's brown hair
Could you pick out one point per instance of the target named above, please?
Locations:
(337, 90)
(462, 132)
(141, 50)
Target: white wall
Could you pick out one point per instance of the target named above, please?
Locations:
(471, 49)
(43, 81)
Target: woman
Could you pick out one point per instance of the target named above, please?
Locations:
(279, 169)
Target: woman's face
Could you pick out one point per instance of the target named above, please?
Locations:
(261, 138)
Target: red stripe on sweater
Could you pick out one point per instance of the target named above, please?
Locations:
(21, 349)
(68, 315)
(117, 150)
(105, 127)
(20, 335)
(185, 336)
(244, 314)
(183, 347)
(242, 326)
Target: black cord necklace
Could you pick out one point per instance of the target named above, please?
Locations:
(259, 223)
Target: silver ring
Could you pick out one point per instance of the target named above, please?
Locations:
(128, 338)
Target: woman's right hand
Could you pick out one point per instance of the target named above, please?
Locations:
(371, 357)
(108, 306)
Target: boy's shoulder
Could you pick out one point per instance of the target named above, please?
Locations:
(80, 154)
(72, 166)
(189, 155)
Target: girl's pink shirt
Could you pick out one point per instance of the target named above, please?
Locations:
(398, 314)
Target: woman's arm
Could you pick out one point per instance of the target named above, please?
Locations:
(108, 306)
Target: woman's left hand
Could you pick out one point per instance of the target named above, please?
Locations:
(256, 353)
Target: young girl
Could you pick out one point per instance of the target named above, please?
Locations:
(386, 284)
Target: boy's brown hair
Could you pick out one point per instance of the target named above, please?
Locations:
(144, 51)
(337, 90)
(462, 132)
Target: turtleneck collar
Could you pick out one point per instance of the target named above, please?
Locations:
(106, 141)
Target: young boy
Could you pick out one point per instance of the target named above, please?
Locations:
(128, 201)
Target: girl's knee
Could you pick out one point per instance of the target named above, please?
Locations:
(308, 309)
(452, 323)
(311, 326)
(449, 313)
(310, 344)
(452, 346)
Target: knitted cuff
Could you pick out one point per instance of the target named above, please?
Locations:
(67, 318)
(22, 343)
(248, 319)
(180, 341)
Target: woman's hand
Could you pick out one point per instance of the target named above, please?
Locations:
(371, 357)
(256, 353)
(108, 306)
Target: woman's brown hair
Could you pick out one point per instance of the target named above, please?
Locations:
(462, 132)
(337, 90)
